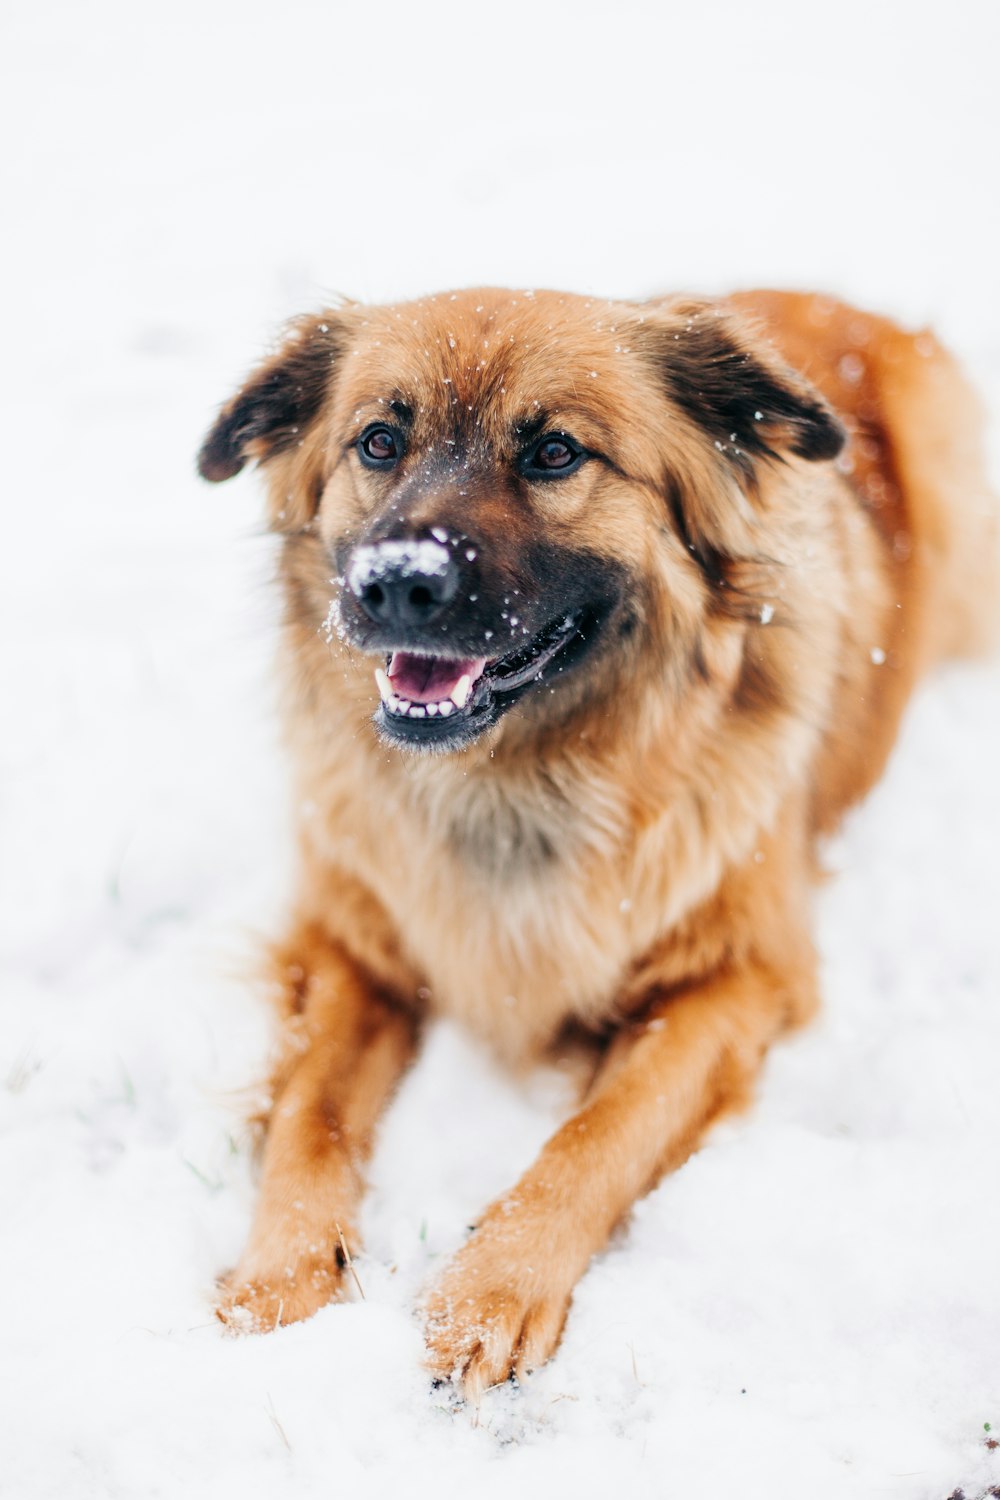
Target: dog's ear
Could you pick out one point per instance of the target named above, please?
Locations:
(274, 411)
(730, 382)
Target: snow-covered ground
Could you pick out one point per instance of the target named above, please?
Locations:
(809, 1308)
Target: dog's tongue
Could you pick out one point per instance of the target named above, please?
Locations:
(430, 679)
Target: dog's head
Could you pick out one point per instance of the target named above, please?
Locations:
(505, 484)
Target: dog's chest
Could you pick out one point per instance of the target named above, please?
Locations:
(515, 955)
(513, 902)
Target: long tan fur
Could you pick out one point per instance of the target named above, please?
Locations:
(629, 853)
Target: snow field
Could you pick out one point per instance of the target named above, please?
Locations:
(810, 1307)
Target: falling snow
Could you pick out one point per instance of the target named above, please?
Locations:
(810, 1307)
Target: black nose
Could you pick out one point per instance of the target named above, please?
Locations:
(403, 583)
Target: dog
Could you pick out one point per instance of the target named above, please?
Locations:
(598, 616)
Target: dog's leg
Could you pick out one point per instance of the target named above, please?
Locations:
(501, 1304)
(344, 1048)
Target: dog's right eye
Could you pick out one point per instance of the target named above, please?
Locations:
(378, 447)
(553, 457)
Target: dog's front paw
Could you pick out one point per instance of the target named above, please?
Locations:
(500, 1307)
(259, 1303)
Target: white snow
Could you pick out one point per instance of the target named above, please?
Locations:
(810, 1307)
(370, 561)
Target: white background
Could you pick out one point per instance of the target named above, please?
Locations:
(811, 1307)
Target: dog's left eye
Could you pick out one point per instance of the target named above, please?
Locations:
(378, 447)
(554, 455)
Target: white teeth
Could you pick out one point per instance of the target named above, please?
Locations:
(384, 685)
(401, 708)
(460, 692)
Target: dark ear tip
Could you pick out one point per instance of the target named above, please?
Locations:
(217, 460)
(822, 437)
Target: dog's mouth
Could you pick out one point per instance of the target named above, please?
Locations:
(444, 702)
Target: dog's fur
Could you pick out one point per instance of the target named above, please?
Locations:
(627, 855)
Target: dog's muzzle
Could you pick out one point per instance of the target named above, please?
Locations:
(427, 605)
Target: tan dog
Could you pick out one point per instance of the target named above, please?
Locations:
(593, 623)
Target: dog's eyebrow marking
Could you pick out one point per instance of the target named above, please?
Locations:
(563, 418)
(369, 408)
(530, 427)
